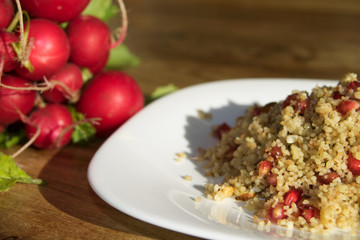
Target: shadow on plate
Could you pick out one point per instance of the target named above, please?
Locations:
(198, 130)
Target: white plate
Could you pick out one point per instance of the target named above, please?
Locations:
(136, 171)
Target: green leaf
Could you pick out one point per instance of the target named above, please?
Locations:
(86, 74)
(103, 9)
(82, 132)
(10, 174)
(160, 92)
(121, 57)
(10, 137)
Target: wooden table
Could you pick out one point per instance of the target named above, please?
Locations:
(183, 42)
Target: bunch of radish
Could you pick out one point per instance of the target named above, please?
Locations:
(46, 47)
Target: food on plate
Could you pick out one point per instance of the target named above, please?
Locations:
(295, 162)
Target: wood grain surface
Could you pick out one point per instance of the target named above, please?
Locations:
(184, 42)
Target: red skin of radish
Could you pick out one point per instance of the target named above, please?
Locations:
(13, 100)
(52, 120)
(55, 10)
(6, 13)
(50, 52)
(89, 40)
(7, 51)
(112, 96)
(100, 65)
(71, 76)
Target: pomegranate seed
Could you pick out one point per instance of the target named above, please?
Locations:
(288, 100)
(292, 196)
(308, 212)
(337, 95)
(347, 105)
(276, 213)
(300, 106)
(264, 167)
(257, 111)
(276, 152)
(221, 129)
(271, 179)
(353, 85)
(230, 153)
(353, 164)
(328, 178)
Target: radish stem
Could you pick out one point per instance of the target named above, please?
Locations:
(119, 34)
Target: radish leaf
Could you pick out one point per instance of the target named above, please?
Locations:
(9, 138)
(10, 174)
(103, 9)
(121, 57)
(82, 132)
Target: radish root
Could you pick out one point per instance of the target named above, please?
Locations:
(26, 120)
(43, 86)
(119, 34)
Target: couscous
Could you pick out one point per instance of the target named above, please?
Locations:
(296, 162)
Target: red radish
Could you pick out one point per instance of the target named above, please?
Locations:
(56, 10)
(6, 13)
(68, 82)
(13, 101)
(7, 51)
(54, 121)
(112, 96)
(50, 51)
(89, 40)
(100, 65)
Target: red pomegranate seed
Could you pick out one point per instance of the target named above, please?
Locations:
(257, 111)
(337, 95)
(272, 179)
(292, 196)
(221, 129)
(288, 100)
(353, 164)
(230, 153)
(264, 167)
(276, 152)
(348, 105)
(353, 85)
(328, 178)
(308, 212)
(276, 213)
(300, 106)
